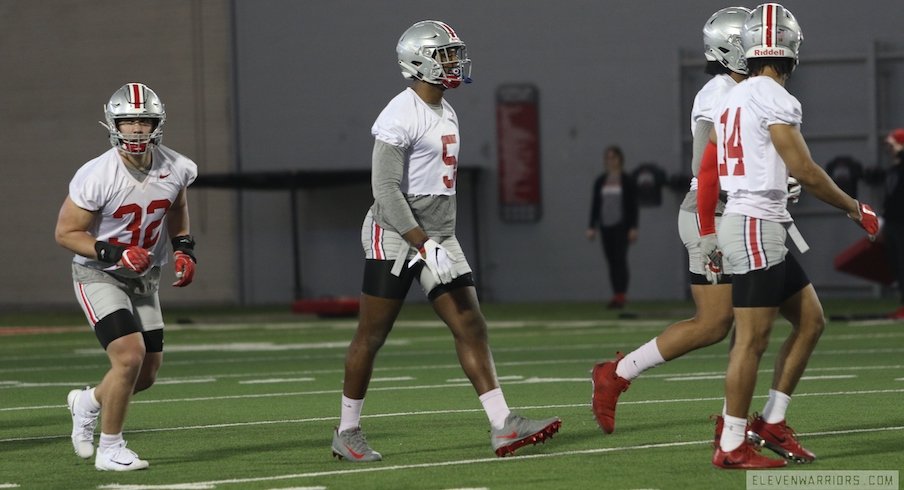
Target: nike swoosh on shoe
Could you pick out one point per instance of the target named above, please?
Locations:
(353, 453)
(513, 435)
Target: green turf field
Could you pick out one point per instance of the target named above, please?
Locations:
(248, 401)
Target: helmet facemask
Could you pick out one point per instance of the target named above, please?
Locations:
(451, 64)
(136, 143)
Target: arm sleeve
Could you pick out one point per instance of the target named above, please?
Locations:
(701, 141)
(386, 179)
(708, 190)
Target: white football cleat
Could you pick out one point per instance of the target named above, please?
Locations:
(118, 458)
(83, 424)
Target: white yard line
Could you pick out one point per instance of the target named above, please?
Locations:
(440, 412)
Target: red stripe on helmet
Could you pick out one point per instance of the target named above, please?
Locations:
(136, 96)
(769, 25)
(448, 29)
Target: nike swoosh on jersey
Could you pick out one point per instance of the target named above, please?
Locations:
(163, 176)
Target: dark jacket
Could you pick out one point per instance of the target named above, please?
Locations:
(629, 201)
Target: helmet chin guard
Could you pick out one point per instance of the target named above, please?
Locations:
(130, 102)
(431, 51)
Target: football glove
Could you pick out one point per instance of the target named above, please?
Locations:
(135, 259)
(868, 220)
(712, 257)
(437, 260)
(794, 189)
(185, 269)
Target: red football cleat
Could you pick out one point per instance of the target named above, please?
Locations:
(745, 457)
(607, 386)
(780, 439)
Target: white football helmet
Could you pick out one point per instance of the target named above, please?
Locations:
(134, 101)
(431, 51)
(722, 38)
(771, 31)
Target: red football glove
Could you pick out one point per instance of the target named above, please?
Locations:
(135, 259)
(868, 220)
(185, 269)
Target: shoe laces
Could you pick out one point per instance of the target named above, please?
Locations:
(782, 427)
(86, 423)
(119, 451)
(355, 438)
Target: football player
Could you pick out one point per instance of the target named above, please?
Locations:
(713, 318)
(409, 233)
(758, 141)
(123, 211)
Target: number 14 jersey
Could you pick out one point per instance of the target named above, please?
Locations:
(750, 169)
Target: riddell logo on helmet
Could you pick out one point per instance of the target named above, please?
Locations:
(769, 52)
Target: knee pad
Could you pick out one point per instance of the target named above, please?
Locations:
(115, 325)
(153, 340)
(457, 283)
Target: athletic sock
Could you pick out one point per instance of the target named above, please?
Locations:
(350, 413)
(776, 406)
(88, 403)
(639, 360)
(733, 433)
(496, 408)
(108, 440)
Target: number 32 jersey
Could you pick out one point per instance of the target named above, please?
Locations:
(130, 212)
(750, 169)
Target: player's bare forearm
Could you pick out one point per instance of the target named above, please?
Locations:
(793, 150)
(177, 220)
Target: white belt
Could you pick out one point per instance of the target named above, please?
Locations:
(401, 255)
(797, 238)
